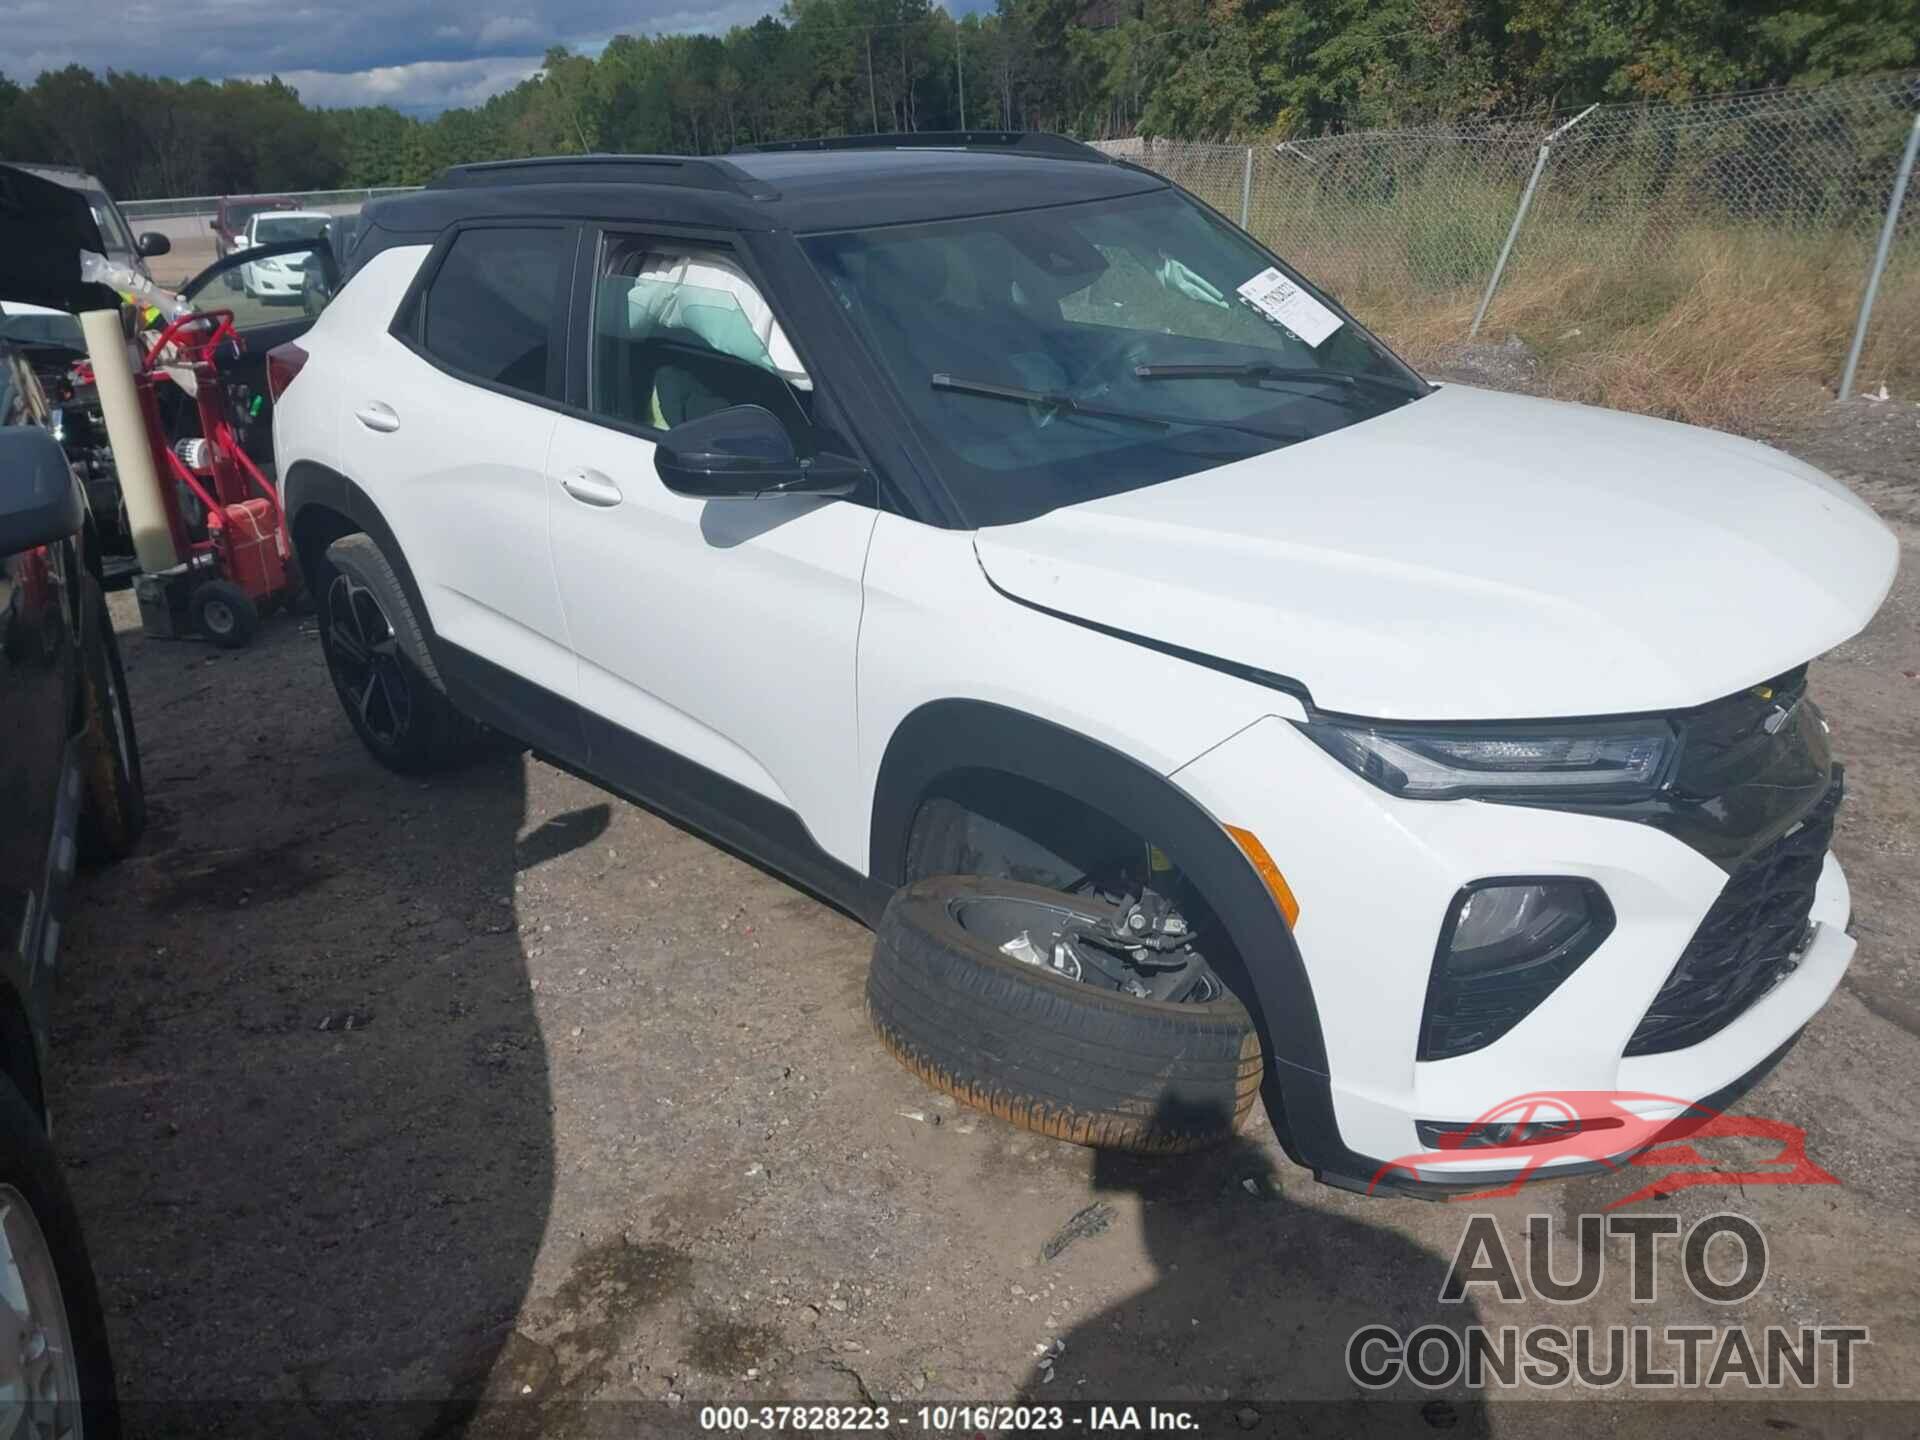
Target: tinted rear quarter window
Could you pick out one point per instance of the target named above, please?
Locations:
(490, 309)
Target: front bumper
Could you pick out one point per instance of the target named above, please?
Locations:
(1374, 877)
(265, 284)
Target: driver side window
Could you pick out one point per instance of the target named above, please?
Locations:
(680, 331)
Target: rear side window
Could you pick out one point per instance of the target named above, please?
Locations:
(490, 310)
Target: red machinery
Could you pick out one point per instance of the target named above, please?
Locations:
(224, 515)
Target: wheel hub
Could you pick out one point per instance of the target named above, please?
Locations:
(1135, 949)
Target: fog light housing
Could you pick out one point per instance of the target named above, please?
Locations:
(1506, 945)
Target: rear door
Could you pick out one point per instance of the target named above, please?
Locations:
(447, 426)
(722, 631)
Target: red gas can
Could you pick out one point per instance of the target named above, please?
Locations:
(254, 562)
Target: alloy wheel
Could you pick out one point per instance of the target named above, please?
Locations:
(39, 1377)
(365, 656)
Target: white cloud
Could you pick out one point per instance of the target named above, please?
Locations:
(419, 55)
(426, 85)
(504, 29)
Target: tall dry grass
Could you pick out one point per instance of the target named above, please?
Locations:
(1734, 325)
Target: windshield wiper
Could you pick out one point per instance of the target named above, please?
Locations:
(1061, 402)
(1261, 372)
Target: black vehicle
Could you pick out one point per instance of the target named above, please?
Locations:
(118, 240)
(70, 790)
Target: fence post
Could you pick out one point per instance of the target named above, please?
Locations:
(1880, 259)
(1246, 189)
(1519, 217)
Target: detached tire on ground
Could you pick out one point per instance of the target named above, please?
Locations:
(1053, 1055)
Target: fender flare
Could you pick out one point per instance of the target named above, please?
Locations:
(309, 484)
(948, 736)
(476, 686)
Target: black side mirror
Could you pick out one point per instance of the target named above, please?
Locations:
(743, 452)
(152, 243)
(39, 502)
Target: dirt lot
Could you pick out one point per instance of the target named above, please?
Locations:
(379, 1091)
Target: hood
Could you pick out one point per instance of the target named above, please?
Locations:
(43, 229)
(1477, 556)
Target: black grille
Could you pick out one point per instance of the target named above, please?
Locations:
(1750, 940)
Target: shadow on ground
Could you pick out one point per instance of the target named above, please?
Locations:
(301, 1082)
(1255, 1295)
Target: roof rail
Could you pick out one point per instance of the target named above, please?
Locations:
(702, 173)
(1038, 143)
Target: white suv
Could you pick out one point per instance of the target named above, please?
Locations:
(998, 542)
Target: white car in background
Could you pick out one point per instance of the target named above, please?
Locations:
(279, 277)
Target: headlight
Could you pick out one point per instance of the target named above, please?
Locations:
(1618, 761)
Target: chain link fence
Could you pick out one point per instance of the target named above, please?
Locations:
(1624, 229)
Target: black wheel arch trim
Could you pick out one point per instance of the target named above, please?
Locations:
(944, 737)
(544, 721)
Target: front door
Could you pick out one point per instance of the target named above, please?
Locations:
(722, 632)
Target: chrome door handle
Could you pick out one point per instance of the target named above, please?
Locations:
(590, 487)
(378, 416)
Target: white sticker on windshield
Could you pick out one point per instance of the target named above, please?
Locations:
(1278, 298)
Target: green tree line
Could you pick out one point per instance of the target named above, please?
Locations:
(1200, 69)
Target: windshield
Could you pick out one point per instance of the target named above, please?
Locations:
(270, 229)
(1094, 315)
(239, 213)
(33, 327)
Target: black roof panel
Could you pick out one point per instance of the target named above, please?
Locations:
(800, 190)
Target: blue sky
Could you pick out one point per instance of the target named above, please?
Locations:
(417, 55)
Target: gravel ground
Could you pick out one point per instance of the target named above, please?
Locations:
(378, 1091)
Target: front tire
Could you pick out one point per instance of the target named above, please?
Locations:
(56, 1374)
(376, 654)
(1050, 1054)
